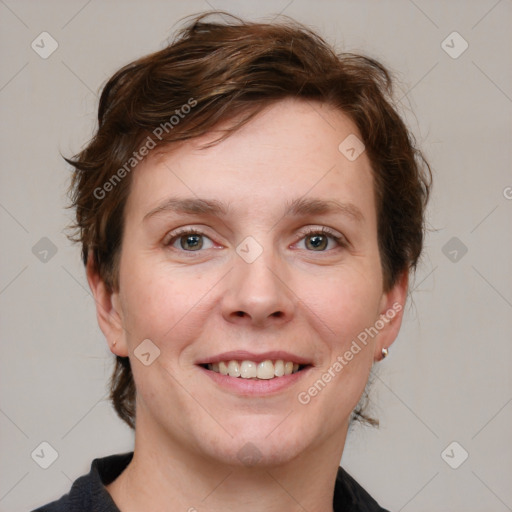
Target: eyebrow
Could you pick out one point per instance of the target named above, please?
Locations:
(296, 207)
(192, 206)
(304, 206)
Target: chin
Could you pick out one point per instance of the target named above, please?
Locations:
(257, 449)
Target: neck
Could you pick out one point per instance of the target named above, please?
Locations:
(164, 472)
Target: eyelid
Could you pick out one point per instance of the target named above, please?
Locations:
(319, 229)
(172, 236)
(338, 237)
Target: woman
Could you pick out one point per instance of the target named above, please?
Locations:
(249, 211)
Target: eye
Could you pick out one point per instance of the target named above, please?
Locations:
(193, 240)
(190, 240)
(317, 239)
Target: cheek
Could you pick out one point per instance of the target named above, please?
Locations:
(348, 306)
(156, 299)
(347, 301)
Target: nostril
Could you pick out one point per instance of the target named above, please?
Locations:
(239, 313)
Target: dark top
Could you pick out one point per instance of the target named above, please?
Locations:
(88, 493)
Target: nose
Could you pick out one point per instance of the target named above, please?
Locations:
(257, 294)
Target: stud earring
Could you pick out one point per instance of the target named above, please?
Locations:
(114, 344)
(384, 353)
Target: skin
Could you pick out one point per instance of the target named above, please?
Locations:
(197, 304)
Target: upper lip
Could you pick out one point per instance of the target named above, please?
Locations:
(243, 355)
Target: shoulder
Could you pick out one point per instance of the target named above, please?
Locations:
(351, 497)
(88, 492)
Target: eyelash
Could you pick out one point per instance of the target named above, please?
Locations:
(340, 240)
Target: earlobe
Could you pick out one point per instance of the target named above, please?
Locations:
(108, 310)
(391, 314)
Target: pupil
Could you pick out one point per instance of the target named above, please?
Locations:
(317, 241)
(192, 241)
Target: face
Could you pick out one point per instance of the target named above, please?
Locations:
(261, 248)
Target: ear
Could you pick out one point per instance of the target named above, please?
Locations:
(108, 310)
(391, 314)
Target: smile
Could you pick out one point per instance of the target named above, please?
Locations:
(246, 369)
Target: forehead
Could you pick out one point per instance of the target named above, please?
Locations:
(290, 149)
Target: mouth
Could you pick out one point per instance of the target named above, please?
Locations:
(247, 369)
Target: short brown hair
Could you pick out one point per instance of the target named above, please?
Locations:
(231, 71)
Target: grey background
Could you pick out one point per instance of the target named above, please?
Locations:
(448, 375)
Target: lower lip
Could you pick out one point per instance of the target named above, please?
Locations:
(255, 387)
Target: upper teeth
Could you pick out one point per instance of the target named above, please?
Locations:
(249, 369)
